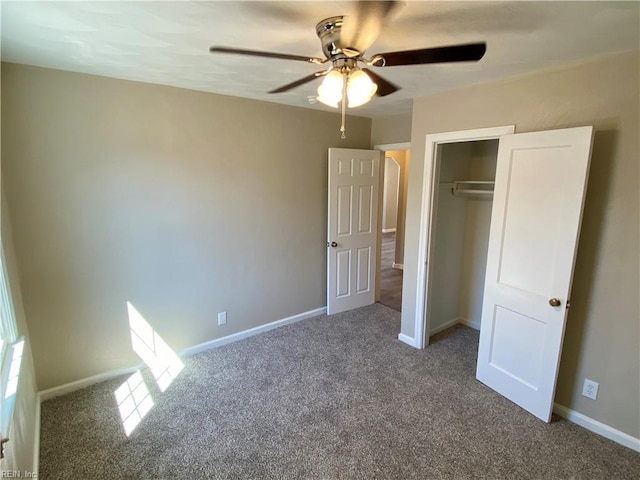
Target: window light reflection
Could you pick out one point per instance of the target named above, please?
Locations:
(134, 402)
(14, 369)
(164, 363)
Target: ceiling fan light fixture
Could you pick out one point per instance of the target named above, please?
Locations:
(330, 90)
(360, 88)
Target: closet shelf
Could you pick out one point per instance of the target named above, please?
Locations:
(473, 188)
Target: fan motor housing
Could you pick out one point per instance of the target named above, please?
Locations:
(328, 30)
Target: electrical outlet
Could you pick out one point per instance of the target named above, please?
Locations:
(590, 389)
(222, 318)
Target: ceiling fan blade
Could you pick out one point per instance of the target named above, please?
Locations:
(362, 27)
(455, 53)
(256, 53)
(385, 87)
(299, 82)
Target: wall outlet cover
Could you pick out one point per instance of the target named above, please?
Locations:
(590, 389)
(222, 318)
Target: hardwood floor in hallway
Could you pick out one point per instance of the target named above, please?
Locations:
(390, 278)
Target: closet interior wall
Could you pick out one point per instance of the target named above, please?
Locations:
(461, 236)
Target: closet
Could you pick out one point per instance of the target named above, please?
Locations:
(503, 262)
(461, 217)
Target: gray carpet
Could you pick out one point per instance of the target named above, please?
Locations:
(333, 397)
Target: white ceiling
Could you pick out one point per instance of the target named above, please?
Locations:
(167, 42)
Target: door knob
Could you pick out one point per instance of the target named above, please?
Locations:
(555, 302)
(332, 244)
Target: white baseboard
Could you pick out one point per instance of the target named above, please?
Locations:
(597, 427)
(408, 340)
(444, 326)
(388, 230)
(470, 323)
(463, 321)
(218, 342)
(399, 266)
(36, 439)
(86, 382)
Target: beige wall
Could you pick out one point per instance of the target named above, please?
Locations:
(184, 203)
(391, 129)
(449, 236)
(476, 234)
(602, 340)
(461, 236)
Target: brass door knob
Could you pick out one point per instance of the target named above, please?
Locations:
(555, 302)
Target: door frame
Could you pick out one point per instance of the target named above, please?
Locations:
(384, 147)
(432, 141)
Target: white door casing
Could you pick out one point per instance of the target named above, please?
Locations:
(537, 210)
(353, 187)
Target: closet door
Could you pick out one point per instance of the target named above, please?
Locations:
(537, 209)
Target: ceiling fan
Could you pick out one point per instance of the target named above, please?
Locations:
(344, 41)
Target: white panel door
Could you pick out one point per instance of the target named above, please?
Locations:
(354, 177)
(537, 209)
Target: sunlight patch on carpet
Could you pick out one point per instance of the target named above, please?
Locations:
(134, 402)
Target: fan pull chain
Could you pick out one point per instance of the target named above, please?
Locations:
(344, 106)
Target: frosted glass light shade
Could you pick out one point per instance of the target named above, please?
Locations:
(330, 90)
(360, 88)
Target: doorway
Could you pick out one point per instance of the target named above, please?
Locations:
(394, 182)
(464, 177)
(434, 143)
